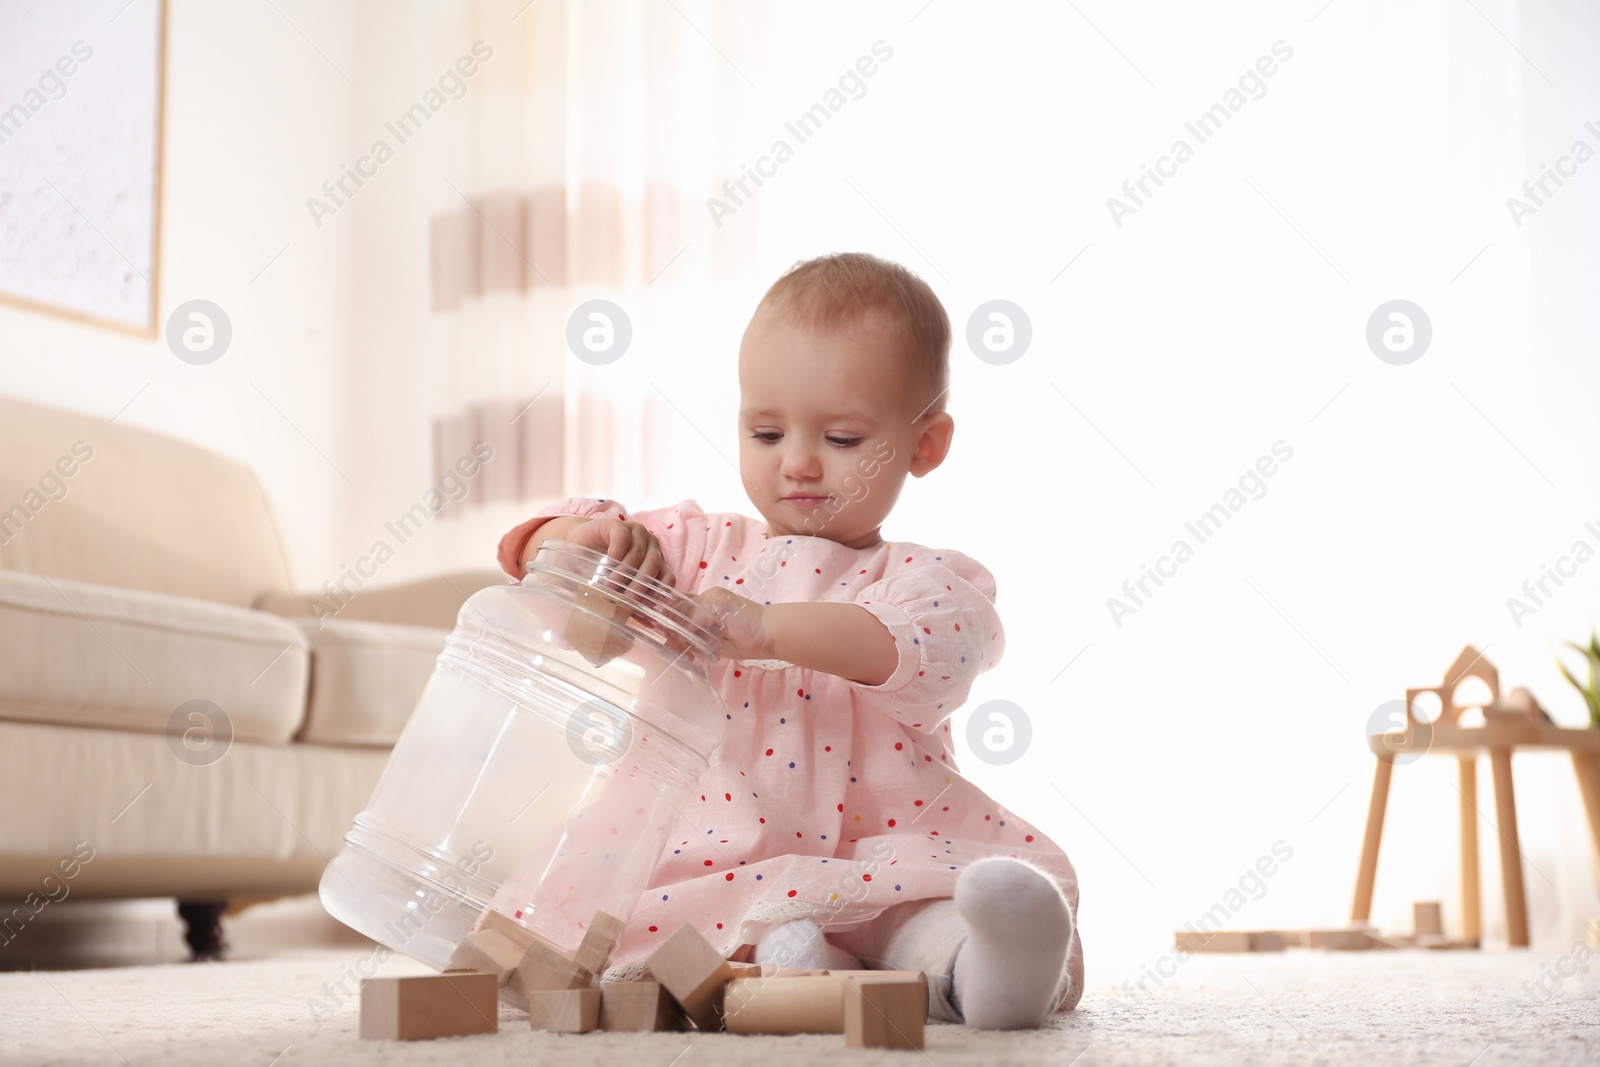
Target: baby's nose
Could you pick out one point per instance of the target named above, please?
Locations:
(800, 463)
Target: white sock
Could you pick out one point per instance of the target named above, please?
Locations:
(800, 944)
(1007, 971)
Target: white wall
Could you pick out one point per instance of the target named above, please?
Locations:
(247, 132)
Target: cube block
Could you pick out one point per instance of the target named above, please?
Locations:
(488, 952)
(428, 1006)
(1229, 940)
(566, 1011)
(638, 1006)
(594, 952)
(694, 973)
(599, 634)
(884, 1012)
(543, 967)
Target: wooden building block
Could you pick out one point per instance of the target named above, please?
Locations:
(694, 973)
(1290, 938)
(909, 976)
(1211, 941)
(1340, 939)
(427, 1006)
(599, 635)
(1442, 944)
(808, 1004)
(594, 952)
(884, 1012)
(1427, 920)
(768, 970)
(1346, 939)
(638, 1006)
(488, 952)
(1228, 940)
(506, 926)
(542, 967)
(565, 1011)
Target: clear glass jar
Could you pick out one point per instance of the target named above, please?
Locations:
(566, 721)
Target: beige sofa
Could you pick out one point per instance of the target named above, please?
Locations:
(172, 721)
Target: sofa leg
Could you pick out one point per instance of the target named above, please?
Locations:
(202, 927)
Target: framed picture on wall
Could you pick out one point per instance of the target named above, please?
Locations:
(82, 89)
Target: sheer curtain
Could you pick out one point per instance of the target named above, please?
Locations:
(582, 174)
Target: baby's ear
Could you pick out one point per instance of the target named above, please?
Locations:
(933, 443)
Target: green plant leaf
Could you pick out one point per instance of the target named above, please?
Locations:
(1568, 675)
(1591, 691)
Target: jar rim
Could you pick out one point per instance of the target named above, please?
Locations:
(657, 601)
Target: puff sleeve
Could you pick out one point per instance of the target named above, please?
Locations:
(527, 532)
(681, 529)
(947, 632)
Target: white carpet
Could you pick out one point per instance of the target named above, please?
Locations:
(1298, 1007)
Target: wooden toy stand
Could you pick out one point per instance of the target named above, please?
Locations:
(1518, 722)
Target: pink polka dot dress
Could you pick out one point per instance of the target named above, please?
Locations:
(827, 800)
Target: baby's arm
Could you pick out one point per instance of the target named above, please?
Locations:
(842, 639)
(912, 643)
(517, 547)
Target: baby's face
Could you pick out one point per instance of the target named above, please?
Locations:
(829, 428)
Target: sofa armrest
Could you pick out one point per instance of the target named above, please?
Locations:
(432, 602)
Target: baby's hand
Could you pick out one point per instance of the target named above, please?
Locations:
(630, 542)
(741, 625)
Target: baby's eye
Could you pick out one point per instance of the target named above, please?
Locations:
(768, 436)
(844, 443)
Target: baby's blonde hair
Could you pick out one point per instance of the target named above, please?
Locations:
(838, 291)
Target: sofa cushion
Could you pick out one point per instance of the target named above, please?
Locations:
(74, 653)
(365, 679)
(432, 602)
(105, 502)
(261, 821)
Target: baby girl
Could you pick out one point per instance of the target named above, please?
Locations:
(832, 828)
